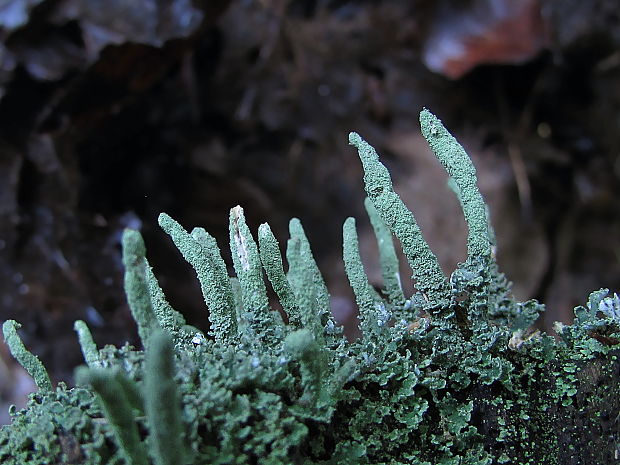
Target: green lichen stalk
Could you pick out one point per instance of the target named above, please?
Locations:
(162, 403)
(308, 284)
(387, 256)
(272, 262)
(136, 286)
(265, 323)
(455, 374)
(393, 211)
(372, 309)
(87, 344)
(118, 410)
(29, 361)
(200, 251)
(462, 171)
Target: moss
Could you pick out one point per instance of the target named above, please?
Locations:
(454, 374)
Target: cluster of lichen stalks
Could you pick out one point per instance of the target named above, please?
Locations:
(452, 375)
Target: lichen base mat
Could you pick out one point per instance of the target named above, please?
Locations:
(453, 375)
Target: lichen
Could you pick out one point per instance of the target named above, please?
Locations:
(454, 374)
(30, 362)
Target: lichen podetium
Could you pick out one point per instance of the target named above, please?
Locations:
(454, 374)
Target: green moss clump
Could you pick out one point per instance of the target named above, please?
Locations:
(452, 375)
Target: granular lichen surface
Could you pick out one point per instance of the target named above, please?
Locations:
(454, 374)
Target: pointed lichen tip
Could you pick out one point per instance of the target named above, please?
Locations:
(355, 139)
(294, 226)
(79, 324)
(430, 125)
(349, 230)
(237, 211)
(10, 324)
(131, 235)
(237, 220)
(426, 115)
(9, 329)
(366, 152)
(165, 222)
(133, 245)
(264, 230)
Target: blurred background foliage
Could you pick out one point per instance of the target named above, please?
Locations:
(112, 112)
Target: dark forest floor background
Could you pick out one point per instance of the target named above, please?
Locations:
(112, 112)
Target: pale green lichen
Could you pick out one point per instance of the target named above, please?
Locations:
(300, 345)
(202, 253)
(271, 259)
(110, 386)
(136, 286)
(454, 374)
(426, 270)
(387, 256)
(308, 284)
(168, 318)
(29, 361)
(265, 323)
(162, 403)
(372, 310)
(462, 171)
(87, 344)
